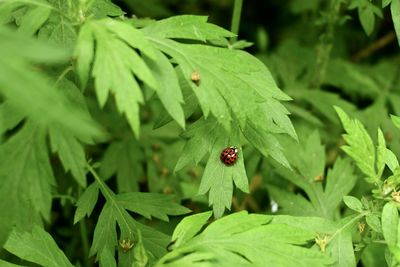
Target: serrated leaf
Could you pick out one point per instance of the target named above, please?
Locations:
(59, 28)
(227, 79)
(228, 241)
(350, 77)
(189, 227)
(265, 142)
(395, 11)
(187, 27)
(360, 147)
(168, 89)
(340, 181)
(70, 152)
(115, 62)
(323, 102)
(105, 236)
(151, 204)
(353, 203)
(189, 98)
(218, 178)
(86, 202)
(26, 177)
(307, 159)
(340, 245)
(390, 222)
(37, 247)
(202, 135)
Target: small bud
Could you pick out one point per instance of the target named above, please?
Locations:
(195, 77)
(396, 196)
(319, 178)
(322, 241)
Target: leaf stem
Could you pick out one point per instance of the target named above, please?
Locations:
(237, 11)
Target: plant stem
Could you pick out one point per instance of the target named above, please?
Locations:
(85, 242)
(326, 43)
(237, 11)
(84, 237)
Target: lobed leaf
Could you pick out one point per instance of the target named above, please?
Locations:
(151, 204)
(246, 239)
(37, 247)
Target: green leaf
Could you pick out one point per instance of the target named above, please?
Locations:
(27, 178)
(33, 19)
(125, 159)
(395, 10)
(349, 77)
(381, 154)
(105, 236)
(385, 3)
(7, 264)
(168, 89)
(340, 245)
(323, 102)
(340, 181)
(217, 177)
(228, 78)
(395, 120)
(84, 51)
(391, 160)
(374, 222)
(115, 63)
(265, 142)
(151, 204)
(202, 136)
(390, 222)
(37, 247)
(360, 147)
(307, 159)
(86, 202)
(367, 19)
(104, 8)
(187, 27)
(189, 227)
(353, 203)
(246, 239)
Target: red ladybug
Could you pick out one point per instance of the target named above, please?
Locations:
(229, 155)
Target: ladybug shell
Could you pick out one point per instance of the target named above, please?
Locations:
(229, 156)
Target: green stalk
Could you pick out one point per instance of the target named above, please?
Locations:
(325, 46)
(85, 243)
(85, 238)
(237, 11)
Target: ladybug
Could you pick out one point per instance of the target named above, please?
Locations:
(229, 155)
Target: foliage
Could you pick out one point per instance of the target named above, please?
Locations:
(112, 124)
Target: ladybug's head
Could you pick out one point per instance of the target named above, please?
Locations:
(235, 149)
